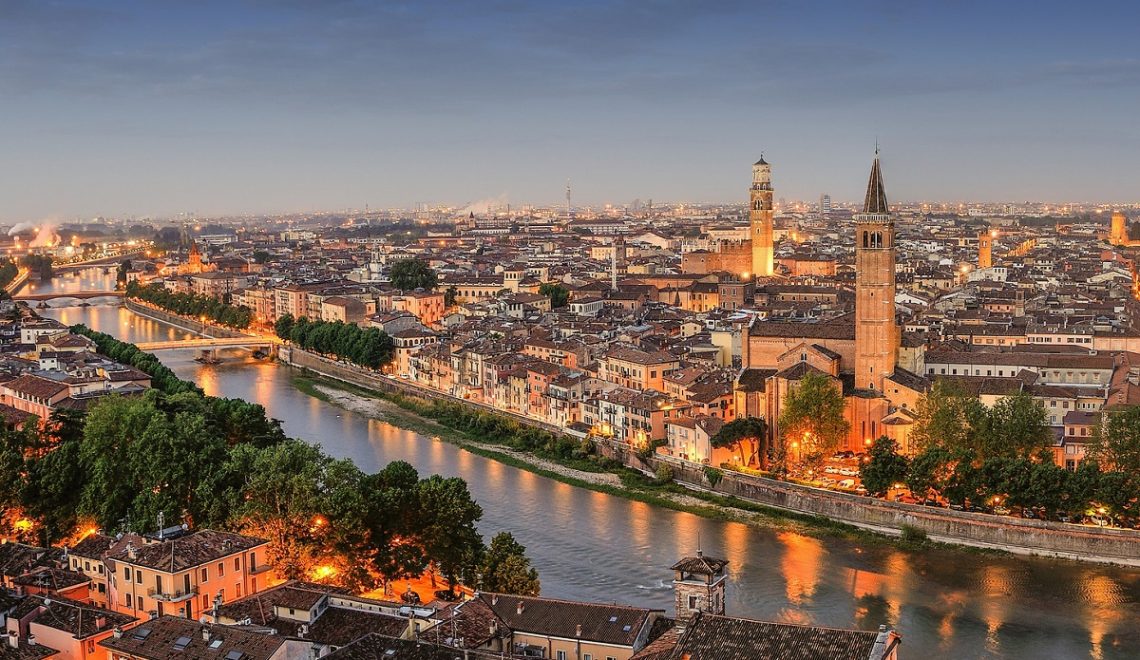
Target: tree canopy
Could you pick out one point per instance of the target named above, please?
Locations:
(813, 417)
(1117, 442)
(367, 347)
(557, 293)
(410, 274)
(745, 435)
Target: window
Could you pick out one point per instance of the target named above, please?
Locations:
(127, 573)
(129, 602)
(694, 602)
(237, 563)
(205, 574)
(138, 576)
(221, 569)
(562, 655)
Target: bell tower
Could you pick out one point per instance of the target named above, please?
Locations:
(985, 250)
(760, 219)
(876, 334)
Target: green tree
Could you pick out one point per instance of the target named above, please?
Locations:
(282, 501)
(260, 256)
(813, 420)
(1018, 428)
(742, 432)
(448, 534)
(928, 470)
(505, 568)
(942, 418)
(1116, 444)
(884, 468)
(450, 296)
(283, 326)
(121, 272)
(409, 274)
(557, 293)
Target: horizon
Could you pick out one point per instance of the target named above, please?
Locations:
(225, 110)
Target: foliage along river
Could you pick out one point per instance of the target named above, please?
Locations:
(592, 546)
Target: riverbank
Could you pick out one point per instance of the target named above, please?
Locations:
(619, 481)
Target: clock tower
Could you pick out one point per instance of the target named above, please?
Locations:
(760, 219)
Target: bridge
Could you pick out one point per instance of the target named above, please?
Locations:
(59, 295)
(211, 342)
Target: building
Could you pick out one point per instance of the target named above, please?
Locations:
(185, 574)
(985, 250)
(168, 637)
(760, 219)
(859, 351)
(876, 333)
(70, 628)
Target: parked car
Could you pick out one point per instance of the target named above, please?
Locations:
(1001, 511)
(847, 483)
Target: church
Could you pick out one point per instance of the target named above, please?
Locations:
(861, 352)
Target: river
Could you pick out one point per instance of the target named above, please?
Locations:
(592, 546)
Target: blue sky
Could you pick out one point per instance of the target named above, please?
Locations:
(161, 107)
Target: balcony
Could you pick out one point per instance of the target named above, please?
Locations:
(176, 596)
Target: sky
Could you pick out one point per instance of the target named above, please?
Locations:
(160, 107)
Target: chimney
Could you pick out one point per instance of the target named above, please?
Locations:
(494, 599)
(205, 634)
(117, 633)
(100, 622)
(132, 551)
(519, 609)
(13, 640)
(31, 639)
(578, 630)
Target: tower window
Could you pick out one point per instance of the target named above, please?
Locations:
(866, 239)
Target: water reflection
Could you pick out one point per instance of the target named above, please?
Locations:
(591, 546)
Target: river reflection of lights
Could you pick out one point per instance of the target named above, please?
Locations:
(801, 564)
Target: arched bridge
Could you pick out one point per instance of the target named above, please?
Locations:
(208, 342)
(78, 295)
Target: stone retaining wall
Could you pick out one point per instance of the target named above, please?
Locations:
(1017, 535)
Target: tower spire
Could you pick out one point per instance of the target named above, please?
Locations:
(876, 199)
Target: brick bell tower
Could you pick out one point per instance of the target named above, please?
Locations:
(985, 249)
(876, 334)
(760, 219)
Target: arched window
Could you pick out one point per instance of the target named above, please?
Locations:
(877, 240)
(865, 243)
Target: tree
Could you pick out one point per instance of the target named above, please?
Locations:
(448, 534)
(282, 500)
(941, 418)
(1116, 444)
(260, 256)
(928, 470)
(884, 468)
(506, 569)
(409, 274)
(121, 272)
(813, 420)
(1018, 428)
(557, 293)
(283, 326)
(738, 432)
(450, 296)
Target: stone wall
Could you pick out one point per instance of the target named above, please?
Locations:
(1017, 535)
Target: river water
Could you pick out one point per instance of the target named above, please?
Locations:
(592, 546)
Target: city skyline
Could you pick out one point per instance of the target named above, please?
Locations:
(149, 111)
